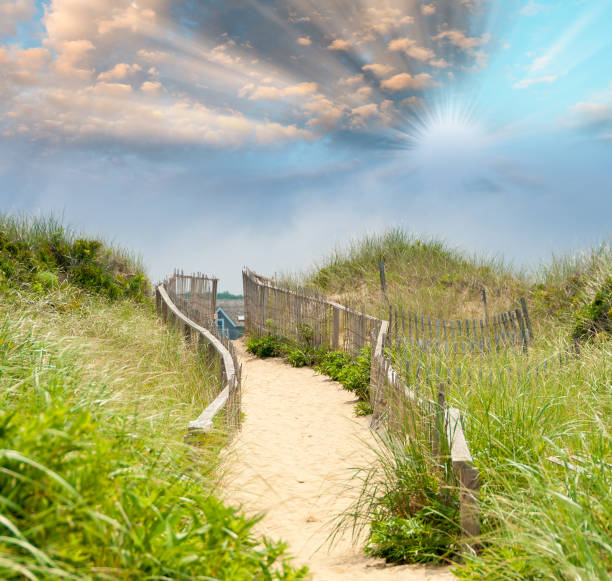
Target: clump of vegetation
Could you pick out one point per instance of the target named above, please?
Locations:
(86, 496)
(410, 512)
(596, 316)
(38, 253)
(265, 346)
(352, 372)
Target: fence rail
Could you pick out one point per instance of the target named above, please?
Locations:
(202, 335)
(271, 309)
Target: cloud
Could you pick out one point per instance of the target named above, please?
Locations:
(304, 41)
(73, 57)
(408, 81)
(384, 20)
(119, 72)
(531, 8)
(383, 113)
(427, 9)
(351, 81)
(274, 93)
(380, 70)
(460, 40)
(339, 44)
(324, 113)
(411, 49)
(13, 12)
(439, 63)
(151, 87)
(526, 83)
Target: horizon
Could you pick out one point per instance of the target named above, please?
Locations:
(267, 134)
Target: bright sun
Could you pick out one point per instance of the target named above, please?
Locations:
(449, 144)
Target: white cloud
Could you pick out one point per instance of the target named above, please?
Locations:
(324, 113)
(274, 93)
(409, 47)
(119, 72)
(526, 83)
(12, 12)
(408, 81)
(339, 44)
(380, 70)
(460, 40)
(427, 9)
(304, 41)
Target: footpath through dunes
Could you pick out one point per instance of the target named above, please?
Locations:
(293, 460)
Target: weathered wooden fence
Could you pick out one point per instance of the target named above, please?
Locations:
(300, 315)
(196, 296)
(508, 329)
(271, 309)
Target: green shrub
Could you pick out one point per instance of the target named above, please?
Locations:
(363, 408)
(47, 279)
(299, 357)
(333, 363)
(430, 536)
(596, 316)
(265, 346)
(36, 254)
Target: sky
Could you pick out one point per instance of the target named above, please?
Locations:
(215, 134)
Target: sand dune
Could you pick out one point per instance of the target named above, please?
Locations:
(293, 460)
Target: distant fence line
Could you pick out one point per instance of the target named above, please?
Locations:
(188, 302)
(288, 313)
(195, 295)
(271, 309)
(508, 329)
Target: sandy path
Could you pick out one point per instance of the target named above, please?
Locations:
(293, 459)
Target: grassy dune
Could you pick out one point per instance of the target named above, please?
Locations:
(540, 520)
(96, 481)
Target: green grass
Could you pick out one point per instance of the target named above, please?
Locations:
(539, 520)
(96, 481)
(425, 276)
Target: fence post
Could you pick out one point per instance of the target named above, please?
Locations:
(469, 490)
(336, 329)
(527, 319)
(383, 278)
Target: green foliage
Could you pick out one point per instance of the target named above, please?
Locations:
(36, 254)
(333, 363)
(85, 495)
(228, 295)
(596, 316)
(352, 372)
(48, 280)
(430, 536)
(265, 346)
(363, 408)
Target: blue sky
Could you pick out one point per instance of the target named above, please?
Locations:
(212, 135)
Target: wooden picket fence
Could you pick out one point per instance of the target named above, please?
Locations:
(508, 329)
(188, 302)
(271, 309)
(284, 312)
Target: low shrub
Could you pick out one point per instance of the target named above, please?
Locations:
(264, 346)
(352, 372)
(596, 316)
(36, 254)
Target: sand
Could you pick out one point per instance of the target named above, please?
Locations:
(293, 460)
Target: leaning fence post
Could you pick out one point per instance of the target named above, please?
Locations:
(527, 319)
(383, 278)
